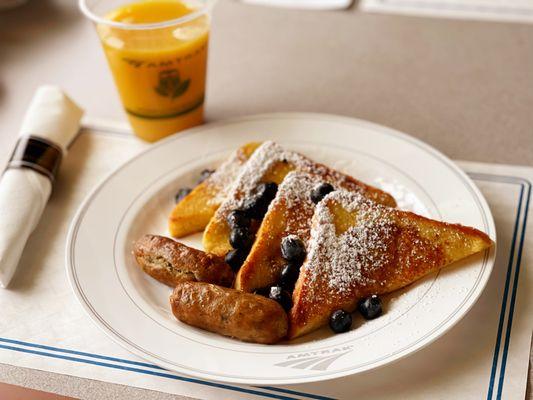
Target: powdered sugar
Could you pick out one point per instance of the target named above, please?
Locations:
(405, 198)
(262, 161)
(294, 193)
(296, 189)
(222, 179)
(268, 154)
(345, 259)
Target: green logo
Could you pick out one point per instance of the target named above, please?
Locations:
(170, 84)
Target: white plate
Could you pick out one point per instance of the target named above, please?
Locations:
(133, 309)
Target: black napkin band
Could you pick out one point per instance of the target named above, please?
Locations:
(38, 154)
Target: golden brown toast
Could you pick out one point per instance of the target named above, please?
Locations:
(271, 163)
(193, 213)
(290, 213)
(358, 248)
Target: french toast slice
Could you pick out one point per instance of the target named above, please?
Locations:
(271, 163)
(358, 248)
(290, 213)
(193, 213)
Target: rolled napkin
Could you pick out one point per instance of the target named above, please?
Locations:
(50, 124)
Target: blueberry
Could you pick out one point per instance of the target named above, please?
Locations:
(340, 321)
(206, 173)
(235, 258)
(241, 238)
(267, 191)
(289, 275)
(370, 307)
(180, 195)
(238, 219)
(281, 296)
(321, 191)
(257, 204)
(293, 250)
(250, 207)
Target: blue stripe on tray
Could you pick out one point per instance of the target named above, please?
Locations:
(504, 299)
(80, 353)
(141, 364)
(133, 366)
(513, 296)
(148, 372)
(512, 266)
(160, 372)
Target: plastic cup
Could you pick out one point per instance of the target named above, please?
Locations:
(159, 68)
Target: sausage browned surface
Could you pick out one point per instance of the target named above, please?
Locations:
(171, 262)
(245, 316)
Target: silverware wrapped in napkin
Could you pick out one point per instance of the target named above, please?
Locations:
(51, 122)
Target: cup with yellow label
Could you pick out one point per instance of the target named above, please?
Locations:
(157, 52)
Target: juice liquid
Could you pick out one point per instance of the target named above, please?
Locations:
(159, 72)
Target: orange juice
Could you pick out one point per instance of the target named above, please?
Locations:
(159, 71)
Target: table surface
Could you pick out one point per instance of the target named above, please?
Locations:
(464, 87)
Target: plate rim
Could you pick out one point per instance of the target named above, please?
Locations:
(490, 254)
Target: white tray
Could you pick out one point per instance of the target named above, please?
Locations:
(486, 355)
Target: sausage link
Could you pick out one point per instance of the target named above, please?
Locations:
(171, 262)
(245, 316)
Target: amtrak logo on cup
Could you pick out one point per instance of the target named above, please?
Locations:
(170, 84)
(315, 360)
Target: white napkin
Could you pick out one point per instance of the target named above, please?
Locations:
(25, 192)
